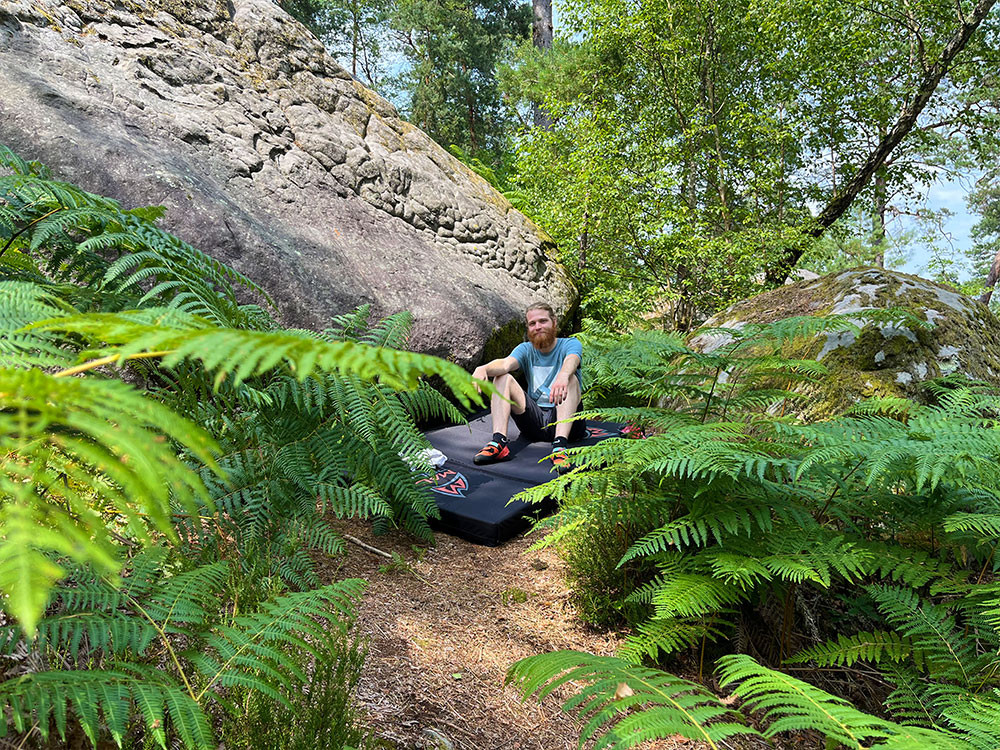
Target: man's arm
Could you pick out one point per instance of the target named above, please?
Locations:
(495, 368)
(557, 392)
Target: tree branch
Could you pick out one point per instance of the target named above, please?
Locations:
(904, 124)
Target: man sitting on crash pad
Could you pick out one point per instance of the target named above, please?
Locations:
(552, 370)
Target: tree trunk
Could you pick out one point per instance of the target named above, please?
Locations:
(355, 34)
(541, 37)
(881, 203)
(903, 125)
(991, 280)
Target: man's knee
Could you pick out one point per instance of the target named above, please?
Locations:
(573, 392)
(508, 387)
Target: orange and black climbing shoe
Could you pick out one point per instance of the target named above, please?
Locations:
(491, 453)
(560, 462)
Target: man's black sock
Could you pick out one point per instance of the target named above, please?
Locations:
(560, 442)
(499, 438)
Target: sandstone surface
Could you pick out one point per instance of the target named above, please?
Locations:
(963, 336)
(271, 158)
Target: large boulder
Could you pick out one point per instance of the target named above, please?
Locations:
(884, 360)
(271, 158)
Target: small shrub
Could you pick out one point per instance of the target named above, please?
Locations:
(317, 716)
(599, 587)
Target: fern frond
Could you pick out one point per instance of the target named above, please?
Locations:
(248, 651)
(707, 522)
(68, 442)
(974, 716)
(685, 594)
(624, 704)
(654, 639)
(789, 704)
(23, 303)
(909, 702)
(116, 633)
(10, 161)
(873, 647)
(238, 354)
(913, 567)
(932, 629)
(103, 699)
(984, 524)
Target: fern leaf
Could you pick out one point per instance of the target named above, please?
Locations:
(248, 648)
(789, 704)
(846, 650)
(624, 704)
(42, 698)
(238, 354)
(58, 435)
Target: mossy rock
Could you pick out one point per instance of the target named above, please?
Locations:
(883, 360)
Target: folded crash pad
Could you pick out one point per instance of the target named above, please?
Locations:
(475, 500)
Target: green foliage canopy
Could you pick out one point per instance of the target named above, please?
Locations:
(454, 48)
(692, 142)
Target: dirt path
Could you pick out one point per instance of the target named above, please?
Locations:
(444, 633)
(445, 627)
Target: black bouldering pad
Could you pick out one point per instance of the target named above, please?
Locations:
(475, 500)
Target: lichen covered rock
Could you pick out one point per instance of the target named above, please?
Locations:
(884, 360)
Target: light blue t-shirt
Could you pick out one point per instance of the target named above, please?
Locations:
(541, 369)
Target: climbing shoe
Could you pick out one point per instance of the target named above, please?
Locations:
(560, 462)
(632, 432)
(491, 453)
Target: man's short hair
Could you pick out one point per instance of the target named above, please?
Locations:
(541, 306)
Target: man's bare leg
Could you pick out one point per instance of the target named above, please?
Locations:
(500, 410)
(567, 408)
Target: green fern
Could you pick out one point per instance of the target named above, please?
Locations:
(157, 604)
(79, 235)
(623, 705)
(301, 423)
(101, 699)
(23, 303)
(240, 354)
(880, 523)
(615, 689)
(788, 704)
(75, 450)
(873, 647)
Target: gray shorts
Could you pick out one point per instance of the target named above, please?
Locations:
(534, 423)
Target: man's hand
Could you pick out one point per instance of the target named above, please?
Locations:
(559, 389)
(480, 374)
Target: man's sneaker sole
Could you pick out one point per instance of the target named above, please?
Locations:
(502, 455)
(562, 464)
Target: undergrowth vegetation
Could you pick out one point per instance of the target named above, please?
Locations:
(862, 547)
(171, 461)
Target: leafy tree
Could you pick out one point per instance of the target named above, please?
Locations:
(454, 47)
(353, 31)
(691, 140)
(986, 236)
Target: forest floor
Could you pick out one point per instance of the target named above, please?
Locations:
(444, 628)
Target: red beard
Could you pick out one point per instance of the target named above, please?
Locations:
(542, 339)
